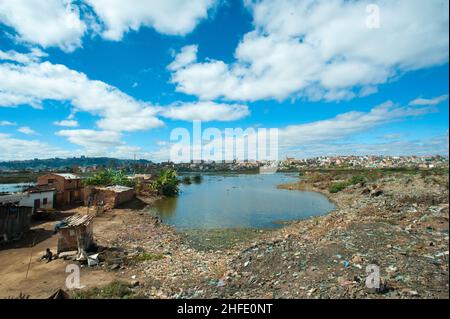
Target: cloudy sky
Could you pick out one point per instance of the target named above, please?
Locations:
(114, 78)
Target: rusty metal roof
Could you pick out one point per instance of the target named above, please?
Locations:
(77, 220)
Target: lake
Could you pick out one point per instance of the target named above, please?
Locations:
(14, 188)
(240, 201)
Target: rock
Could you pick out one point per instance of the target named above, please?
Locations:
(377, 193)
(114, 266)
(71, 255)
(221, 283)
(357, 259)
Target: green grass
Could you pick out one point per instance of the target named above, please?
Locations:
(337, 187)
(114, 290)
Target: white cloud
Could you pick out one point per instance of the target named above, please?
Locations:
(46, 23)
(8, 99)
(320, 50)
(26, 130)
(66, 123)
(64, 23)
(434, 101)
(92, 139)
(33, 56)
(174, 17)
(7, 123)
(347, 124)
(187, 56)
(205, 111)
(18, 149)
(36, 82)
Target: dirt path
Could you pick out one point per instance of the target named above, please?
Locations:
(42, 278)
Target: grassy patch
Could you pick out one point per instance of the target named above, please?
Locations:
(337, 187)
(114, 290)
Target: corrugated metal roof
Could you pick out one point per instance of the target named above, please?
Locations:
(76, 220)
(116, 188)
(68, 175)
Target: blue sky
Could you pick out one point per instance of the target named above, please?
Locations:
(107, 78)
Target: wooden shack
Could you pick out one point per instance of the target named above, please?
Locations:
(75, 233)
(15, 220)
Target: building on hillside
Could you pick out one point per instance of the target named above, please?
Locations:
(14, 221)
(109, 197)
(69, 189)
(75, 233)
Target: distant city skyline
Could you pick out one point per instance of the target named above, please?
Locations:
(105, 78)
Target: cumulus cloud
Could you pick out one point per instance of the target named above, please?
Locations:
(92, 139)
(18, 149)
(187, 55)
(319, 49)
(46, 23)
(205, 111)
(35, 82)
(26, 130)
(433, 101)
(174, 17)
(66, 123)
(64, 23)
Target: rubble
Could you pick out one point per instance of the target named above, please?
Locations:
(403, 230)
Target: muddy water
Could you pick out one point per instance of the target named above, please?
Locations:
(223, 209)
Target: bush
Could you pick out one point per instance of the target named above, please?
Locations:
(109, 177)
(357, 179)
(337, 187)
(167, 183)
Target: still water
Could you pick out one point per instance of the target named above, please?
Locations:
(14, 188)
(240, 201)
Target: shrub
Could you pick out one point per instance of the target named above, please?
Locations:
(337, 187)
(357, 179)
(167, 183)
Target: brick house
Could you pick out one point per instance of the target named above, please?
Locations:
(69, 189)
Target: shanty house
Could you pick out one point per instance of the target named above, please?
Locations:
(75, 233)
(35, 197)
(14, 221)
(69, 188)
(109, 197)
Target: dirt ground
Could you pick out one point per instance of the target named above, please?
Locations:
(22, 270)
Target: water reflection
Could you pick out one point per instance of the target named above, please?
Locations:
(239, 201)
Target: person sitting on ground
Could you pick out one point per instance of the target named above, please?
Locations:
(48, 255)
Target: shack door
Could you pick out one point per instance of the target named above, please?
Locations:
(37, 204)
